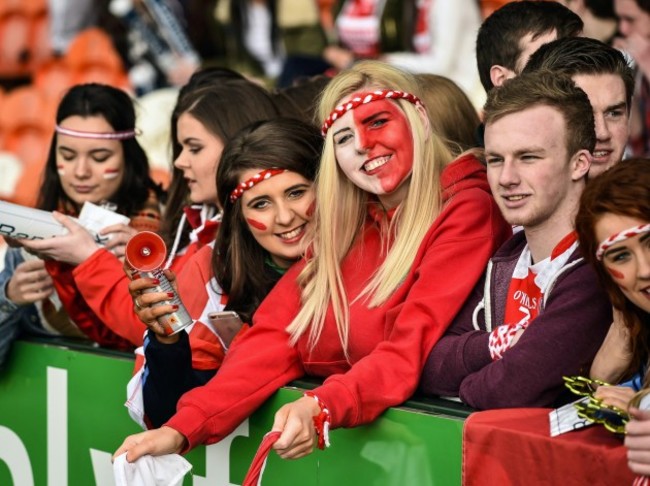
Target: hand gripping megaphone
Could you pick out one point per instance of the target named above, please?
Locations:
(144, 255)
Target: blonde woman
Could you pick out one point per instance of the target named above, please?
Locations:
(397, 247)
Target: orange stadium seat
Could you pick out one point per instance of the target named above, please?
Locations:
(92, 58)
(15, 30)
(27, 122)
(23, 36)
(32, 7)
(39, 41)
(489, 6)
(53, 78)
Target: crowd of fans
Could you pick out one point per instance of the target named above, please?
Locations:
(340, 187)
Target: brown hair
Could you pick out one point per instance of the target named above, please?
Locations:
(499, 38)
(624, 190)
(547, 89)
(223, 108)
(581, 55)
(238, 260)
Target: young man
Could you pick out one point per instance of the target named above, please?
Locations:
(603, 73)
(634, 26)
(512, 33)
(540, 313)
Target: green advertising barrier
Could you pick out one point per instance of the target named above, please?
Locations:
(62, 415)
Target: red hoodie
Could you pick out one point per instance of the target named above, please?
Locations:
(388, 344)
(96, 296)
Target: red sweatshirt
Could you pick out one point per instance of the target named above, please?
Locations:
(388, 345)
(96, 296)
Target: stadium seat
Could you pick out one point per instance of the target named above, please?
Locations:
(39, 40)
(27, 122)
(15, 28)
(53, 78)
(93, 58)
(24, 36)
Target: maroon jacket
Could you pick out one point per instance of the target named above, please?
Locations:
(562, 340)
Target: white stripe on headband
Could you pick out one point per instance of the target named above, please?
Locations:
(124, 135)
(256, 179)
(364, 98)
(618, 237)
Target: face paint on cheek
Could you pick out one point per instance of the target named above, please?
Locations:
(615, 273)
(256, 224)
(60, 170)
(111, 173)
(311, 209)
(393, 140)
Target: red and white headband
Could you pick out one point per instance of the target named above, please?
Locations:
(618, 237)
(124, 135)
(363, 99)
(256, 179)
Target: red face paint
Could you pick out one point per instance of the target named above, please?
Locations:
(384, 131)
(111, 173)
(311, 209)
(615, 273)
(256, 224)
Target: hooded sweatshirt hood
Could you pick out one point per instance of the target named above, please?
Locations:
(466, 172)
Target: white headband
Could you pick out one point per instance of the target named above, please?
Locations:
(124, 135)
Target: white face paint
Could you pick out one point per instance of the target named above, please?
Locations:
(374, 148)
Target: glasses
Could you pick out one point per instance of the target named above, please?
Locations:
(612, 418)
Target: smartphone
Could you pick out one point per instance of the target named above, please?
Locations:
(226, 324)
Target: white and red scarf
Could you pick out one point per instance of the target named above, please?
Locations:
(526, 292)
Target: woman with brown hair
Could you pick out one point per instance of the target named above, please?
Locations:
(613, 225)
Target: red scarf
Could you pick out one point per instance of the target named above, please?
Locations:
(526, 292)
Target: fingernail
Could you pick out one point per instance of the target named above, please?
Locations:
(175, 307)
(136, 276)
(155, 281)
(170, 294)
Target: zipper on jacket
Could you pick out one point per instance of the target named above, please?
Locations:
(484, 303)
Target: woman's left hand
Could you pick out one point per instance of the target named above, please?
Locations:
(615, 354)
(75, 247)
(119, 235)
(296, 422)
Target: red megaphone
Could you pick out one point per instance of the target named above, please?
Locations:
(145, 251)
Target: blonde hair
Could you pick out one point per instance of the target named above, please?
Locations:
(451, 113)
(342, 208)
